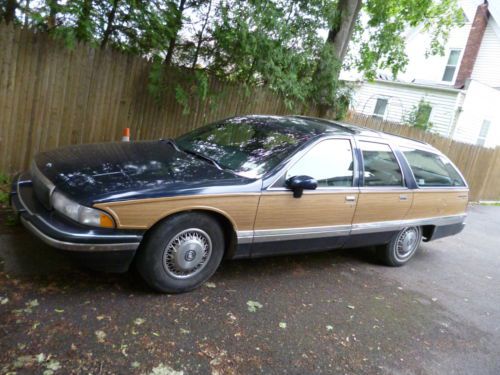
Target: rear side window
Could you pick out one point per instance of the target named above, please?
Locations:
(431, 169)
(381, 167)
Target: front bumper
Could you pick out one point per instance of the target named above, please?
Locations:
(116, 245)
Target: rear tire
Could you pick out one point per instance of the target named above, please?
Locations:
(181, 253)
(401, 248)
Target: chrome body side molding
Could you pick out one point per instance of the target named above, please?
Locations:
(287, 234)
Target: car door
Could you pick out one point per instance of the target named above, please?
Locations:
(441, 192)
(319, 219)
(384, 199)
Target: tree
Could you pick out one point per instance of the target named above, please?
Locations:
(83, 27)
(273, 43)
(379, 39)
(8, 12)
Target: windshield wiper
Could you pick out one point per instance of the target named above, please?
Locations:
(171, 142)
(194, 153)
(206, 158)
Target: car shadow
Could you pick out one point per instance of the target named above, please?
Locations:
(25, 258)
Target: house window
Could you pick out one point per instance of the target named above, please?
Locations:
(451, 65)
(483, 133)
(380, 108)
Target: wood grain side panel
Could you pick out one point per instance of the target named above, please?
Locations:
(435, 203)
(381, 206)
(142, 214)
(282, 210)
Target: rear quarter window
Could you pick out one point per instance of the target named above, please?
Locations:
(432, 169)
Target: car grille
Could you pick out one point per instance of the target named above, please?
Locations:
(42, 186)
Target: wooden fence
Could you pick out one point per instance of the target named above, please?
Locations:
(52, 96)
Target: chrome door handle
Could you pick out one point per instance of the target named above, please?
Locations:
(403, 197)
(350, 198)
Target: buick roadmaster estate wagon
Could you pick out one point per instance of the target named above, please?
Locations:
(242, 187)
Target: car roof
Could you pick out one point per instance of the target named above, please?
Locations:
(320, 126)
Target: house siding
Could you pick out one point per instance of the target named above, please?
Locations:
(487, 66)
(401, 100)
(480, 103)
(430, 69)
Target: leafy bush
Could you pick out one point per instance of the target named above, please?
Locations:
(419, 115)
(4, 188)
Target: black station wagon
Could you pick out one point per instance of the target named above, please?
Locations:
(242, 187)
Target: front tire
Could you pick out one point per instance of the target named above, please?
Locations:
(181, 253)
(401, 248)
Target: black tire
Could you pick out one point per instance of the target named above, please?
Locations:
(169, 246)
(393, 254)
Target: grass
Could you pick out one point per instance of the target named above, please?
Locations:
(497, 204)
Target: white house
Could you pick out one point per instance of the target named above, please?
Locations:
(462, 87)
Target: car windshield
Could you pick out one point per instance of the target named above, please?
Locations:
(248, 146)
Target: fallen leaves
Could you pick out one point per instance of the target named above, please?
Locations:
(139, 321)
(101, 336)
(253, 306)
(30, 305)
(26, 361)
(162, 369)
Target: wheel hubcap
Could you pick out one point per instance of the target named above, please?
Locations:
(407, 242)
(187, 253)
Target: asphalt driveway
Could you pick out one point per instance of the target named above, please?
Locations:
(334, 312)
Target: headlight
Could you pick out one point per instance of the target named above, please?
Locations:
(79, 213)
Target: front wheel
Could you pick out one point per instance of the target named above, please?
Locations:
(181, 253)
(401, 248)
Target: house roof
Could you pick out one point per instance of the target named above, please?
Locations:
(422, 85)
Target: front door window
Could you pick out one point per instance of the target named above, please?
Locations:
(330, 162)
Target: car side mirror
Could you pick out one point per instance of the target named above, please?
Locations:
(300, 183)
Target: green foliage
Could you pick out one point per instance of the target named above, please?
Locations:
(419, 115)
(156, 78)
(4, 197)
(271, 43)
(4, 188)
(182, 98)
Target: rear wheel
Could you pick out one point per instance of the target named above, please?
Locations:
(401, 248)
(181, 253)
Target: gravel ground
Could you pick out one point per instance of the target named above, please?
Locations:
(333, 312)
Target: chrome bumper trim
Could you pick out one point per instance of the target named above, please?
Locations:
(72, 246)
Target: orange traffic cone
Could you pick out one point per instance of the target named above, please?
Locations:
(126, 135)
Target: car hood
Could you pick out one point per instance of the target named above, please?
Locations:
(106, 172)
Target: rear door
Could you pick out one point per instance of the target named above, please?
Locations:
(441, 189)
(320, 219)
(384, 199)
